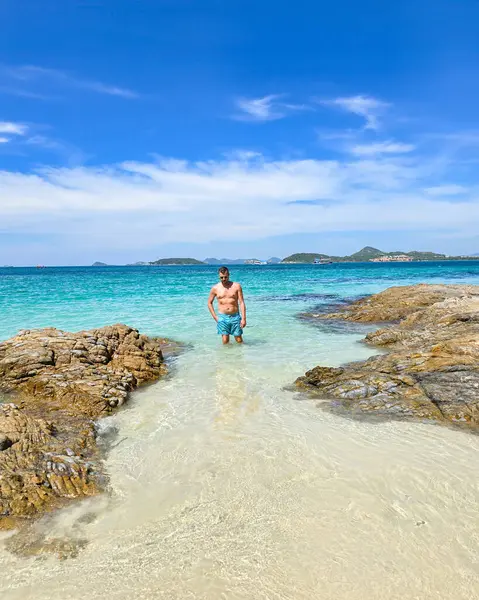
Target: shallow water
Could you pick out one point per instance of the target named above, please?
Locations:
(226, 485)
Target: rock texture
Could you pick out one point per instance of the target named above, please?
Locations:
(432, 368)
(59, 383)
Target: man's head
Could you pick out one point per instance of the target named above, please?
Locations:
(224, 274)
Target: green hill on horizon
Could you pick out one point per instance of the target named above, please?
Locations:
(304, 257)
(177, 261)
(367, 253)
(427, 255)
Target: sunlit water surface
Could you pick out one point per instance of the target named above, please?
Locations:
(225, 484)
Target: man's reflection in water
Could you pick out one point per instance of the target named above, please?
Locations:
(234, 395)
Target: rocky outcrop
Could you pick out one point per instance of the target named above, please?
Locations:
(58, 383)
(432, 368)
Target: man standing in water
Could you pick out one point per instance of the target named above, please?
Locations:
(230, 300)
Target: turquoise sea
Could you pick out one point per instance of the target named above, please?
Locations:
(226, 484)
(170, 301)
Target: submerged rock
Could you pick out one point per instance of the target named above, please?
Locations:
(59, 383)
(432, 370)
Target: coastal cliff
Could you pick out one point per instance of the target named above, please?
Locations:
(432, 368)
(54, 385)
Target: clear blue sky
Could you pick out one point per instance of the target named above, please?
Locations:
(131, 130)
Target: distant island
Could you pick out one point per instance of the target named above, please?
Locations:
(177, 261)
(208, 261)
(366, 254)
(224, 261)
(370, 254)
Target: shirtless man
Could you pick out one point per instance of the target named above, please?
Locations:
(230, 300)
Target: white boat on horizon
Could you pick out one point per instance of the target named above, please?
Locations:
(322, 261)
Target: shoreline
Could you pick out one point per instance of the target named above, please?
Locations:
(429, 371)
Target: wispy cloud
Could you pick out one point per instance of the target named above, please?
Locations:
(13, 128)
(111, 90)
(69, 153)
(27, 137)
(447, 190)
(267, 108)
(186, 201)
(387, 147)
(29, 75)
(384, 185)
(364, 106)
(10, 130)
(21, 93)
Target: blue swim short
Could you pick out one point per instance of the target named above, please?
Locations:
(229, 324)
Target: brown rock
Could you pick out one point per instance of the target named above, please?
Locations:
(396, 303)
(60, 382)
(432, 371)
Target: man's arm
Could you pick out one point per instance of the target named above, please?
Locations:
(211, 299)
(242, 305)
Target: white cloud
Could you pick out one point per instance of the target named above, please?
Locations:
(242, 155)
(32, 74)
(21, 93)
(13, 128)
(387, 147)
(4, 140)
(446, 190)
(364, 106)
(376, 186)
(267, 108)
(137, 204)
(102, 88)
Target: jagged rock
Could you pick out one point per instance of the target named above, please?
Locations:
(432, 371)
(396, 303)
(60, 382)
(35, 471)
(88, 372)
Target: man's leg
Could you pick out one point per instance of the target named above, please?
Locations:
(226, 339)
(237, 330)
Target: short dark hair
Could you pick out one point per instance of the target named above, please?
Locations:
(223, 270)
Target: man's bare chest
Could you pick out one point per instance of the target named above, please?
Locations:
(227, 294)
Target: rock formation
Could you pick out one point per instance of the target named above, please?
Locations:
(432, 369)
(55, 383)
